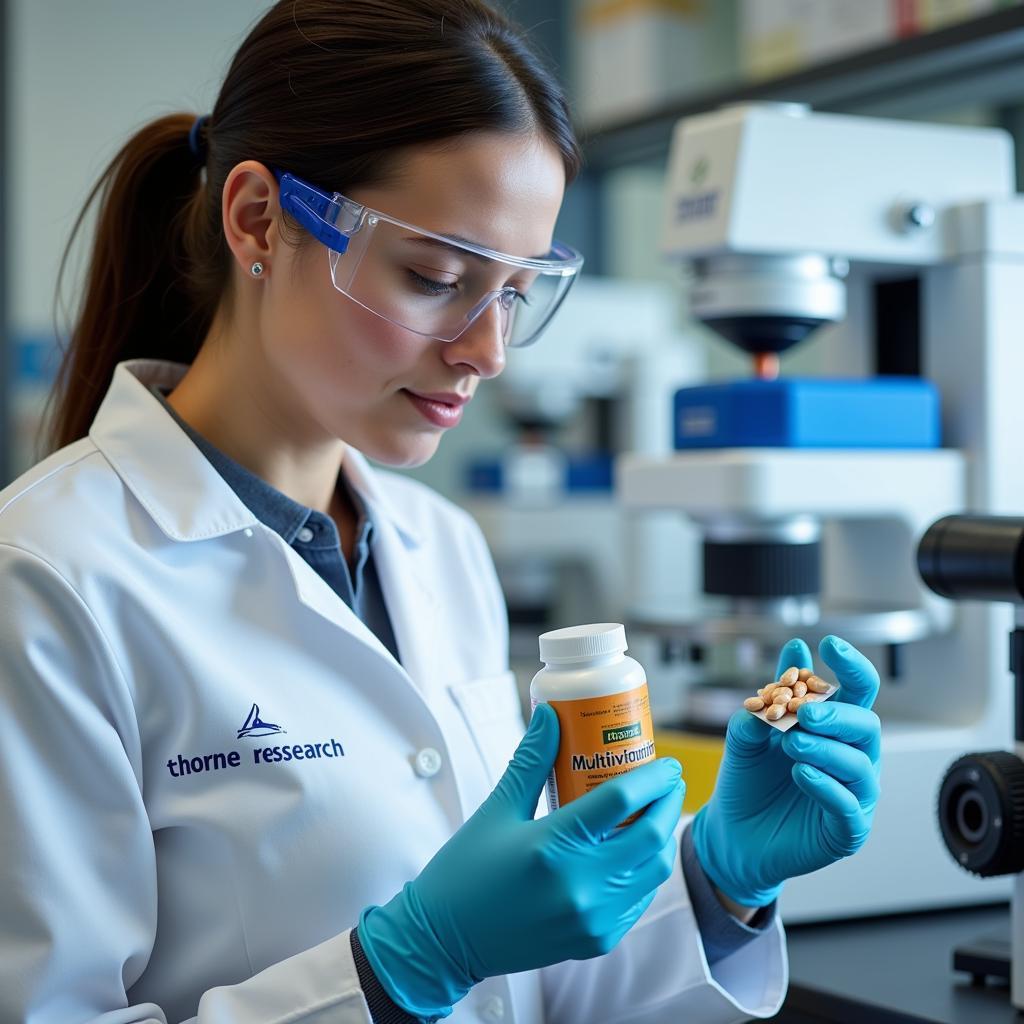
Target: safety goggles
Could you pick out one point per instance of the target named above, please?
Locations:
(433, 285)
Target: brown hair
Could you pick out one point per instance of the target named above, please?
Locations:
(328, 90)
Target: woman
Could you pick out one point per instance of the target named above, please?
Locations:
(256, 716)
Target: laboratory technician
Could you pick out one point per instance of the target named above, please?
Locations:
(261, 757)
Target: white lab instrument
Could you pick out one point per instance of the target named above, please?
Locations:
(793, 220)
(981, 801)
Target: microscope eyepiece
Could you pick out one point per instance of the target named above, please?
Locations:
(978, 558)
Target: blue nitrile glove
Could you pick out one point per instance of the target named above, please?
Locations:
(769, 818)
(508, 893)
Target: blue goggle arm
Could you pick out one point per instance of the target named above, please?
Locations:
(312, 209)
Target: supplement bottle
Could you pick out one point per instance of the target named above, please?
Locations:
(604, 712)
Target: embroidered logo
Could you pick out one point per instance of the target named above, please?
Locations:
(255, 726)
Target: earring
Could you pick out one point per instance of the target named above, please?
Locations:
(256, 269)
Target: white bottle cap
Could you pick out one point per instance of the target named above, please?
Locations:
(579, 642)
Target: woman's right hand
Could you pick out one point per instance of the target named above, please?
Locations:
(508, 893)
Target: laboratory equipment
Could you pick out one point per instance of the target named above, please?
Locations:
(900, 248)
(981, 800)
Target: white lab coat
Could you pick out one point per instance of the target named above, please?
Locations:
(143, 612)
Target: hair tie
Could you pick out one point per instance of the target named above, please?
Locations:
(195, 143)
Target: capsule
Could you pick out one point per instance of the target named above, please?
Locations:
(817, 685)
(800, 689)
(775, 712)
(789, 677)
(783, 695)
(754, 704)
(795, 703)
(804, 675)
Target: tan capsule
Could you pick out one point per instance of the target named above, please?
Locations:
(767, 690)
(775, 712)
(800, 689)
(817, 685)
(789, 677)
(783, 695)
(795, 703)
(754, 704)
(805, 674)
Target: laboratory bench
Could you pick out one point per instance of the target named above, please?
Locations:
(896, 970)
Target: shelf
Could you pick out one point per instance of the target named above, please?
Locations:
(982, 59)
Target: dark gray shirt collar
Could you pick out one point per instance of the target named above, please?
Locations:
(269, 505)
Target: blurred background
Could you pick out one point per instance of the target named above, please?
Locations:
(79, 77)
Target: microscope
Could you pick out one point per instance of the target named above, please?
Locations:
(898, 248)
(981, 799)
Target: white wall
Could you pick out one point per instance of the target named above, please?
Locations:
(83, 77)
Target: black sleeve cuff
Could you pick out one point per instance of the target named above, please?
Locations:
(383, 1009)
(721, 934)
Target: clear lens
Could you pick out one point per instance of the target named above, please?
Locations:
(533, 314)
(436, 288)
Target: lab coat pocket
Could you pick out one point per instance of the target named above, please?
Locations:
(492, 711)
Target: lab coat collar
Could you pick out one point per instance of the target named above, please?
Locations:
(366, 484)
(174, 482)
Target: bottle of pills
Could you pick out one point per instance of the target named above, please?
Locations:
(604, 711)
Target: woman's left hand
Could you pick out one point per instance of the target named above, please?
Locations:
(788, 803)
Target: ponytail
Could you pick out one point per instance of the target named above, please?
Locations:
(143, 295)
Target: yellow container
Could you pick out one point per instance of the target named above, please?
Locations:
(700, 755)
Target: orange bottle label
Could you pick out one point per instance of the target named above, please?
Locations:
(601, 737)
